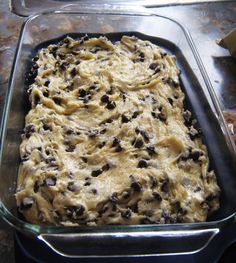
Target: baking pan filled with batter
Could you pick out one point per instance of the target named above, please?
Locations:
(111, 133)
(107, 139)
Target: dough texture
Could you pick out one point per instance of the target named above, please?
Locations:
(108, 141)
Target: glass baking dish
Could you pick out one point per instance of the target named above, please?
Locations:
(113, 241)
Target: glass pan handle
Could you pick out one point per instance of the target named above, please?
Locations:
(129, 243)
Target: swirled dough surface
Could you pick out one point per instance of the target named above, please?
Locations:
(107, 140)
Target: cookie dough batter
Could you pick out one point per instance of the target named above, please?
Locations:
(107, 140)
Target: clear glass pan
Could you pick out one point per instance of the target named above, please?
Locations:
(111, 241)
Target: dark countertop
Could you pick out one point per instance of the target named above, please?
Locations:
(206, 23)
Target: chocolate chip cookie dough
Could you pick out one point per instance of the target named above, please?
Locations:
(107, 140)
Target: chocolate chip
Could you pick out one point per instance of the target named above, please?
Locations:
(103, 131)
(170, 101)
(66, 40)
(25, 158)
(166, 216)
(141, 57)
(105, 99)
(137, 130)
(106, 167)
(154, 101)
(86, 100)
(109, 120)
(151, 150)
(110, 91)
(70, 148)
(154, 114)
(50, 181)
(162, 116)
(135, 114)
(138, 143)
(94, 191)
(62, 66)
(69, 131)
(95, 49)
(163, 54)
(153, 66)
(114, 197)
(153, 182)
(54, 53)
(136, 186)
(211, 197)
(87, 183)
(75, 211)
(113, 208)
(84, 159)
(69, 88)
(145, 135)
(141, 54)
(46, 93)
(46, 83)
(47, 127)
(115, 142)
(51, 161)
(104, 209)
(61, 55)
(101, 145)
(133, 141)
(36, 187)
(157, 70)
(126, 214)
(74, 53)
(197, 189)
(185, 155)
(125, 194)
(72, 187)
(141, 99)
(134, 208)
(96, 173)
(175, 83)
(93, 134)
(82, 93)
(124, 119)
(35, 66)
(118, 148)
(73, 72)
(36, 99)
(157, 196)
(165, 186)
(111, 105)
(142, 164)
(85, 38)
(171, 82)
(28, 130)
(57, 100)
(195, 154)
(79, 210)
(36, 58)
(92, 87)
(27, 202)
(177, 207)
